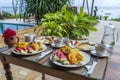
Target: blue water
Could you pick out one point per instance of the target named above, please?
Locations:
(4, 26)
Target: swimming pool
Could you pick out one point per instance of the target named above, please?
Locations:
(14, 26)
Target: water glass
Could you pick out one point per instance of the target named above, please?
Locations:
(109, 36)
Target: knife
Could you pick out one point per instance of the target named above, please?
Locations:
(43, 54)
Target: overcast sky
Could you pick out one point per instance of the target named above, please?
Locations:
(111, 3)
(5, 3)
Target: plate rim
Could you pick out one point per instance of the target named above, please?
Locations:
(56, 46)
(70, 66)
(45, 37)
(86, 49)
(99, 55)
(13, 51)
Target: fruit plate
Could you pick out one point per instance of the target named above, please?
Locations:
(44, 47)
(87, 59)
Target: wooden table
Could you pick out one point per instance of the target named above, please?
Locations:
(45, 66)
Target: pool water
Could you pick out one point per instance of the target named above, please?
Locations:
(14, 26)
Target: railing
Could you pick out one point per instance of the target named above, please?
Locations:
(14, 26)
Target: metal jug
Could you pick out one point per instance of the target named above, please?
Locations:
(109, 36)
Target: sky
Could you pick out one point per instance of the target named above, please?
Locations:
(100, 3)
(111, 3)
(4, 3)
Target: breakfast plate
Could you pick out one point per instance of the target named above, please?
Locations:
(44, 47)
(85, 46)
(47, 41)
(44, 39)
(86, 60)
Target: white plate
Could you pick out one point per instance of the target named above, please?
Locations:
(102, 54)
(87, 48)
(53, 45)
(44, 48)
(87, 59)
(43, 39)
(49, 41)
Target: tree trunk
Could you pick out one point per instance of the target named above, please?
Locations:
(83, 4)
(15, 7)
(92, 7)
(87, 6)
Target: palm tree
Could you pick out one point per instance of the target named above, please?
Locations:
(92, 7)
(86, 5)
(15, 7)
(83, 4)
(40, 7)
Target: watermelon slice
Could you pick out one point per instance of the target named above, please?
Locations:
(60, 56)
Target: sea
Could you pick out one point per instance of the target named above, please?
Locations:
(112, 12)
(9, 10)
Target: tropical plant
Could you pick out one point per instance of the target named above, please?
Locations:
(65, 23)
(105, 17)
(116, 19)
(38, 8)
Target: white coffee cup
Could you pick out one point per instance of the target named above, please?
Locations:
(58, 42)
(29, 37)
(100, 49)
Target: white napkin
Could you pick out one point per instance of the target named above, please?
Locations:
(92, 68)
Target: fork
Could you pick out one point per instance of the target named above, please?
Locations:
(95, 59)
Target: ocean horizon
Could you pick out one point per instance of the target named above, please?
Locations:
(8, 9)
(112, 12)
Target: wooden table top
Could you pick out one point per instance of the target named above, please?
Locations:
(46, 66)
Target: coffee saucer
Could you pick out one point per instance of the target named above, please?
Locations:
(57, 46)
(100, 54)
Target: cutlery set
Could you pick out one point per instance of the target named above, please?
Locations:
(89, 68)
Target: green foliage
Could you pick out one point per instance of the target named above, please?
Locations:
(105, 17)
(116, 19)
(7, 15)
(17, 15)
(41, 7)
(65, 23)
